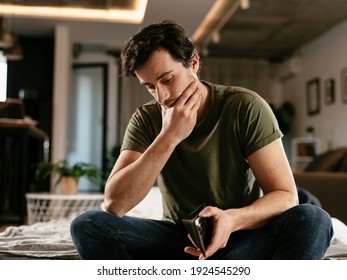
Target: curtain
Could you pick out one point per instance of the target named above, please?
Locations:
(252, 74)
(133, 95)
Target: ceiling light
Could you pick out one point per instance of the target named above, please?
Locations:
(204, 51)
(6, 37)
(244, 4)
(14, 53)
(134, 15)
(215, 37)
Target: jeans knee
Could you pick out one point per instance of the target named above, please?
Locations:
(80, 223)
(313, 217)
(314, 214)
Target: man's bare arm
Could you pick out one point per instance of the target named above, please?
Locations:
(133, 175)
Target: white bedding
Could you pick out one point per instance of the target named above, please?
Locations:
(46, 240)
(338, 245)
(52, 240)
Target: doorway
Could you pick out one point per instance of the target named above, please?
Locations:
(88, 115)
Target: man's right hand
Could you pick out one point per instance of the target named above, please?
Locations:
(180, 119)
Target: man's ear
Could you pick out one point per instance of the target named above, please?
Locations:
(195, 63)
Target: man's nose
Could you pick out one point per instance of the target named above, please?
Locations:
(162, 95)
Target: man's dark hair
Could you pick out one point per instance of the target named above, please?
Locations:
(165, 35)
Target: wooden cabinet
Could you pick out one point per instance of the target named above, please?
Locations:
(21, 147)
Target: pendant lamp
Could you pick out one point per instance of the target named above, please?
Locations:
(13, 53)
(6, 37)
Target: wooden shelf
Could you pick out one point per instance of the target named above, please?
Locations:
(303, 152)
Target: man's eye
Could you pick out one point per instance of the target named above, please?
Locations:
(167, 81)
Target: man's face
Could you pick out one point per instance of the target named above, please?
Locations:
(166, 78)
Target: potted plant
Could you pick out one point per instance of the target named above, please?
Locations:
(67, 176)
(284, 115)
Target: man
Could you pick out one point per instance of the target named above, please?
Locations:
(205, 143)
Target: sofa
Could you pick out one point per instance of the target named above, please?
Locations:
(326, 178)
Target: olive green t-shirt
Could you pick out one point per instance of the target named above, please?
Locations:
(210, 166)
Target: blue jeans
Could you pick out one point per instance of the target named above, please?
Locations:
(301, 232)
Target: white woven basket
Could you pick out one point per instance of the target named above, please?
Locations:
(43, 207)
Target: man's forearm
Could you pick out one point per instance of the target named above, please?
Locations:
(264, 209)
(127, 186)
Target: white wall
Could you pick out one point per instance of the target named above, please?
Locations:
(322, 58)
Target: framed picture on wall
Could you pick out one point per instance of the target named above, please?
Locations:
(313, 96)
(329, 91)
(344, 85)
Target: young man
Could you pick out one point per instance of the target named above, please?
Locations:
(205, 143)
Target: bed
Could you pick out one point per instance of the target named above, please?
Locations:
(51, 240)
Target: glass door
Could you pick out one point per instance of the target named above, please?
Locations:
(87, 115)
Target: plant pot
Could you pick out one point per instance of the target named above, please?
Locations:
(69, 185)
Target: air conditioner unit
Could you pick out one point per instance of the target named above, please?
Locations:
(289, 68)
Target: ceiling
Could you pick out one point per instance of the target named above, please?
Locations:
(274, 29)
(112, 34)
(269, 29)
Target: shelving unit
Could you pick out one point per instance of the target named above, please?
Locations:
(303, 152)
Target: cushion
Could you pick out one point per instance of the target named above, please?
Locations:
(307, 197)
(343, 165)
(328, 161)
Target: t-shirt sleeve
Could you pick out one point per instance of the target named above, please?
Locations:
(134, 138)
(259, 125)
(143, 127)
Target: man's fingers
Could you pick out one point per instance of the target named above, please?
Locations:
(187, 93)
(191, 240)
(192, 251)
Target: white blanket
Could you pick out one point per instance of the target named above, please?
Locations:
(46, 240)
(338, 245)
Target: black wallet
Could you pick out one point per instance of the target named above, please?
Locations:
(199, 228)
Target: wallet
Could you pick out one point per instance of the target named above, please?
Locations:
(199, 228)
